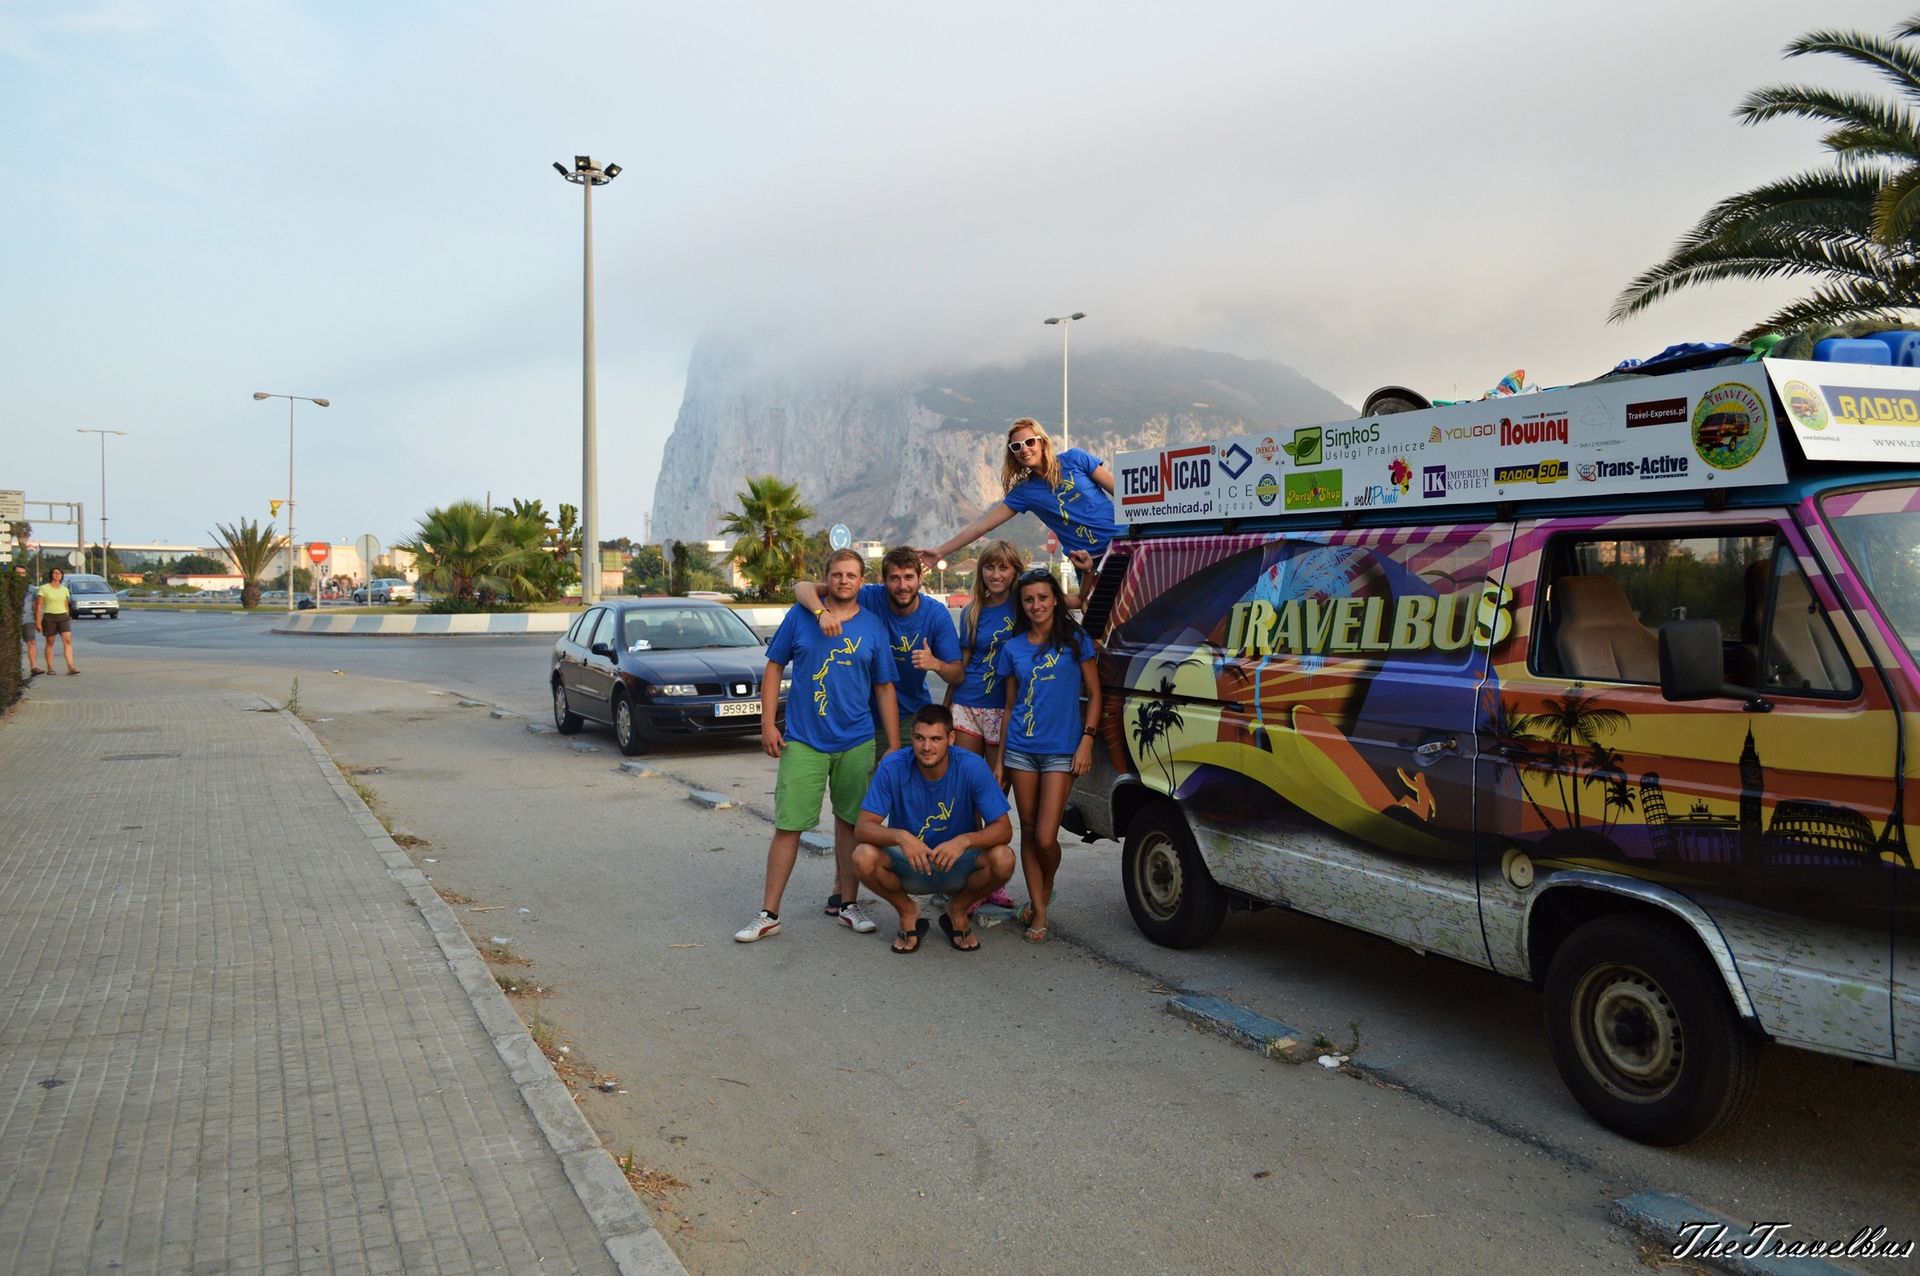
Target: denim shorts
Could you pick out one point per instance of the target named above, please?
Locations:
(933, 881)
(1017, 761)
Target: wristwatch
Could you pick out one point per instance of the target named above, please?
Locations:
(819, 612)
(1090, 732)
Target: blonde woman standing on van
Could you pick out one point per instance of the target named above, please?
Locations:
(1071, 492)
(1047, 664)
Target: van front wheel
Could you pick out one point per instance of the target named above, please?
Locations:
(1173, 898)
(1643, 1031)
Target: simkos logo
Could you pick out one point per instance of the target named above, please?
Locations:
(1350, 435)
(1179, 470)
(1540, 429)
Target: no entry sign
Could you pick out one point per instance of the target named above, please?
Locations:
(318, 551)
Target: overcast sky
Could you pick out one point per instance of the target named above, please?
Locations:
(355, 200)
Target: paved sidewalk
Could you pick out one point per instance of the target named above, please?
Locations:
(230, 1039)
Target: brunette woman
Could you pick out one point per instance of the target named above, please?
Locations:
(1048, 668)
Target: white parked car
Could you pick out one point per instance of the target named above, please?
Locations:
(391, 589)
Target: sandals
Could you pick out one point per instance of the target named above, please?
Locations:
(918, 933)
(1025, 914)
(1037, 934)
(956, 934)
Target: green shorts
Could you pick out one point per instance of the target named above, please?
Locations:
(806, 773)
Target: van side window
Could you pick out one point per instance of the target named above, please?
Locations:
(1800, 654)
(1607, 597)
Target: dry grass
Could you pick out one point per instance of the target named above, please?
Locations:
(452, 896)
(654, 1183)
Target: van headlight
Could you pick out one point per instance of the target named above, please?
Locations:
(672, 689)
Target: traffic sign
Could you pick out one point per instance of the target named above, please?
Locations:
(76, 559)
(1053, 543)
(13, 506)
(319, 552)
(368, 547)
(839, 536)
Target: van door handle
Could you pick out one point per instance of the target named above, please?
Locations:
(1432, 749)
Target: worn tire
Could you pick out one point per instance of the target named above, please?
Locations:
(1644, 1033)
(565, 720)
(626, 732)
(1173, 898)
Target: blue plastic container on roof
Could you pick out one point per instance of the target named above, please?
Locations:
(1903, 346)
(1852, 350)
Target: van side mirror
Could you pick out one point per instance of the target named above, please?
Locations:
(1693, 665)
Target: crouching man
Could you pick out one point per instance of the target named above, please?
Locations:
(934, 821)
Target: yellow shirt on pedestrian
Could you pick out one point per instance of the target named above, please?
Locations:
(53, 600)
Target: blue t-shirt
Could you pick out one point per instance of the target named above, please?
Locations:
(980, 687)
(959, 802)
(1079, 512)
(833, 678)
(930, 622)
(1046, 708)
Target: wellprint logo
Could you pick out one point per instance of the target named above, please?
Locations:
(1729, 426)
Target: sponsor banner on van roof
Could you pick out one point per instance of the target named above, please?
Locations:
(1850, 411)
(1711, 427)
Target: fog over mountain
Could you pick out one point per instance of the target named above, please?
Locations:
(912, 458)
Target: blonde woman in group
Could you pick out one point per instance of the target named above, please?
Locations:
(979, 704)
(1071, 492)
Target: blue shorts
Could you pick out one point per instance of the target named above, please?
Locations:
(1017, 761)
(933, 882)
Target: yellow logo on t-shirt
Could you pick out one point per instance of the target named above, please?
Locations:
(849, 647)
(939, 817)
(1043, 671)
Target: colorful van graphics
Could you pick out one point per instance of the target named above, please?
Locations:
(1476, 736)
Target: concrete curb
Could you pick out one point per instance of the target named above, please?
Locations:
(635, 1245)
(1236, 1023)
(313, 624)
(1712, 1240)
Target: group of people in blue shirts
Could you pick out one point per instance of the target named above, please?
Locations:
(918, 788)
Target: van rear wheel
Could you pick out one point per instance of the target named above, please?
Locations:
(1173, 898)
(1644, 1033)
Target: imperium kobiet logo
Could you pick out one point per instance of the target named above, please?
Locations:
(1729, 425)
(1313, 490)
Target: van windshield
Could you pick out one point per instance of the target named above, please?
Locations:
(82, 586)
(1879, 528)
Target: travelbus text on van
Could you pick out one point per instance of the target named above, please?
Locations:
(1481, 617)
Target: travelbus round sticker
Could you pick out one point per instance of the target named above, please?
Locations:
(1729, 425)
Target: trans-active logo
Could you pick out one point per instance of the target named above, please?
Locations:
(1177, 472)
(1647, 467)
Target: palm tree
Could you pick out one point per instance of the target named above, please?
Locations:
(1850, 225)
(252, 549)
(473, 554)
(770, 540)
(1568, 721)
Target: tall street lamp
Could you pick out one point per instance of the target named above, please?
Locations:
(1066, 329)
(587, 175)
(103, 494)
(291, 400)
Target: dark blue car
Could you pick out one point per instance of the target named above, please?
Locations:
(658, 669)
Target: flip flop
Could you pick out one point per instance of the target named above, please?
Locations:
(953, 935)
(1038, 935)
(1025, 913)
(918, 933)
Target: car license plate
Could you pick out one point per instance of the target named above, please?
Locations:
(736, 709)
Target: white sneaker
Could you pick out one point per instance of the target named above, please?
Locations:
(762, 926)
(855, 916)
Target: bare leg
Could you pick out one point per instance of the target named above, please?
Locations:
(1050, 804)
(781, 854)
(1026, 798)
(66, 649)
(991, 871)
(844, 880)
(970, 742)
(870, 865)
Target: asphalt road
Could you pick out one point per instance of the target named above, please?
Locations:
(830, 1105)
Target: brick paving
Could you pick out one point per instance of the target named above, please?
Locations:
(229, 1041)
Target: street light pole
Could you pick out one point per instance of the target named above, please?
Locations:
(103, 495)
(587, 175)
(291, 400)
(1066, 329)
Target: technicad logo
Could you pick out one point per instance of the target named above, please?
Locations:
(1533, 429)
(1176, 472)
